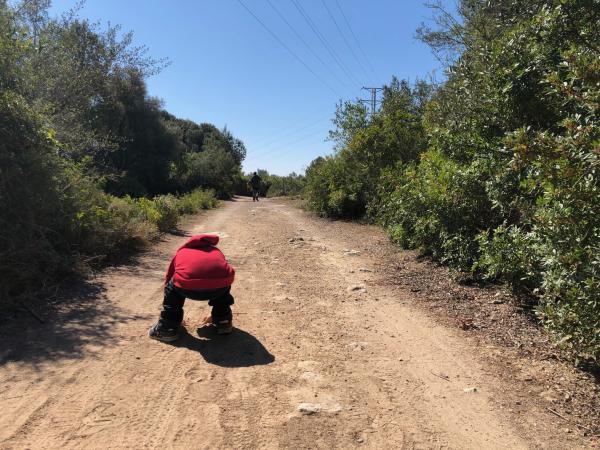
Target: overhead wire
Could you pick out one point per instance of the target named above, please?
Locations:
(287, 133)
(307, 45)
(355, 38)
(344, 39)
(254, 158)
(325, 43)
(283, 131)
(300, 60)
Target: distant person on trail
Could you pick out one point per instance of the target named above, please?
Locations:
(255, 183)
(198, 271)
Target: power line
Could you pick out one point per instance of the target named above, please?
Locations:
(299, 36)
(325, 43)
(268, 152)
(284, 154)
(344, 39)
(283, 132)
(286, 134)
(323, 40)
(355, 38)
(288, 49)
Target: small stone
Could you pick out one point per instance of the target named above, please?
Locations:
(308, 408)
(359, 288)
(314, 408)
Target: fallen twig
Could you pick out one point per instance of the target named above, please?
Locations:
(31, 311)
(557, 414)
(577, 424)
(443, 377)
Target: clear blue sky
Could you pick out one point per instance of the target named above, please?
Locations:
(226, 69)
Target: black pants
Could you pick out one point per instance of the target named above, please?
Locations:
(172, 313)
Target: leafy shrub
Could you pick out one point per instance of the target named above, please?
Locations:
(167, 209)
(439, 206)
(347, 184)
(76, 120)
(511, 255)
(334, 188)
(510, 185)
(196, 200)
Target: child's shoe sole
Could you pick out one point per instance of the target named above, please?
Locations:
(157, 336)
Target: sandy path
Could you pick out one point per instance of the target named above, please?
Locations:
(312, 328)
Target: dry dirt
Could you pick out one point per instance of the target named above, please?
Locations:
(334, 347)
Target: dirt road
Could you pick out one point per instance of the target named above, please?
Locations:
(322, 356)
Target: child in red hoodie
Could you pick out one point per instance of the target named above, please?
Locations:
(198, 271)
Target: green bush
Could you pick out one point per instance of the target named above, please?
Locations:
(197, 200)
(347, 184)
(334, 188)
(511, 255)
(75, 122)
(167, 209)
(509, 187)
(439, 207)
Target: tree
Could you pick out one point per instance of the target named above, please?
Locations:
(350, 117)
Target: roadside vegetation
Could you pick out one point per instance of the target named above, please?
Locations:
(496, 170)
(274, 185)
(90, 164)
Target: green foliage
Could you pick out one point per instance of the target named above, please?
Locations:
(210, 169)
(76, 122)
(519, 116)
(509, 185)
(195, 201)
(334, 187)
(433, 208)
(272, 185)
(346, 185)
(511, 255)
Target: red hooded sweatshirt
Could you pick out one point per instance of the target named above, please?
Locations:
(199, 265)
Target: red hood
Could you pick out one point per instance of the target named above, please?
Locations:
(202, 240)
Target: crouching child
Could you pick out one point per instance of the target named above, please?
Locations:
(198, 271)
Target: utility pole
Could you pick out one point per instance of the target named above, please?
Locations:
(373, 100)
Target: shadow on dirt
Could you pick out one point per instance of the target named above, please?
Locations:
(42, 331)
(238, 349)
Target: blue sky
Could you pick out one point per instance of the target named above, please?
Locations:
(226, 69)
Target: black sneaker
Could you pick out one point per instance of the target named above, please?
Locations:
(162, 333)
(224, 326)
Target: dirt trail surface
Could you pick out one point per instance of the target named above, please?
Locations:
(324, 355)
